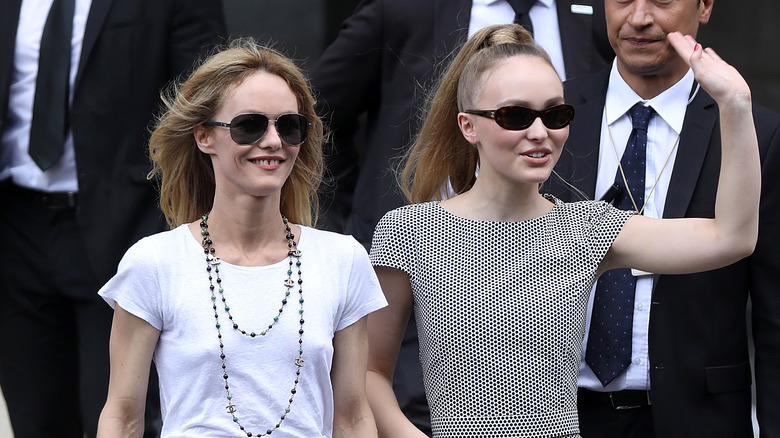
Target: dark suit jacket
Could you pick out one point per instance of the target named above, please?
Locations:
(131, 49)
(698, 343)
(385, 59)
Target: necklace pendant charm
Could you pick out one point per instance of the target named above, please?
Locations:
(231, 408)
(213, 260)
(295, 253)
(289, 282)
(299, 362)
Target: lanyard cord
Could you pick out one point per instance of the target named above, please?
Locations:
(668, 157)
(623, 174)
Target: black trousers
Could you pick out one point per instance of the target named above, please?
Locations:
(54, 328)
(600, 420)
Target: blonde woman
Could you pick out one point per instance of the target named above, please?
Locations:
(256, 322)
(499, 275)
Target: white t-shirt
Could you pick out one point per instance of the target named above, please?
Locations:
(162, 279)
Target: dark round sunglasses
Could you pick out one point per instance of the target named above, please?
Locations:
(247, 129)
(516, 118)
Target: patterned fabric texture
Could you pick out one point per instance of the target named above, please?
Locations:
(609, 340)
(500, 309)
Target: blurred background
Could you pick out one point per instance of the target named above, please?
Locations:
(302, 29)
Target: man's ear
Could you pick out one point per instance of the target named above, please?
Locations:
(705, 11)
(466, 125)
(204, 139)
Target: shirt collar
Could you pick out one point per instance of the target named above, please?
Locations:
(670, 104)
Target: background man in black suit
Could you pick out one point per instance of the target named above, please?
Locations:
(690, 343)
(383, 62)
(66, 227)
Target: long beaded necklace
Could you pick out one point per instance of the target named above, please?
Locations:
(212, 264)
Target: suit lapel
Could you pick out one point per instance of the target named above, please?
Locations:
(450, 26)
(582, 148)
(695, 140)
(570, 40)
(9, 21)
(576, 37)
(97, 16)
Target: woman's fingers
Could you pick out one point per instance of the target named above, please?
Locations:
(715, 75)
(683, 44)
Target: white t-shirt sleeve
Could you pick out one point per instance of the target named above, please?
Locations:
(363, 295)
(136, 287)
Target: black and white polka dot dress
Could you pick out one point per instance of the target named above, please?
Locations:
(500, 310)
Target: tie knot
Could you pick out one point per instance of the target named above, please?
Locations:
(640, 116)
(521, 6)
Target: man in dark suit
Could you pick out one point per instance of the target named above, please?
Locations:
(383, 63)
(67, 223)
(689, 373)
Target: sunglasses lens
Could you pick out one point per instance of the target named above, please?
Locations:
(558, 117)
(248, 128)
(292, 128)
(515, 118)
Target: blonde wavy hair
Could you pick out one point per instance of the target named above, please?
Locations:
(440, 155)
(186, 175)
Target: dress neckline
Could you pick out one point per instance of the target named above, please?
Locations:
(555, 201)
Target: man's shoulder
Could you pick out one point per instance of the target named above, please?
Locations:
(584, 88)
(765, 116)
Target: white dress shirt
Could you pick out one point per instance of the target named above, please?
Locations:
(544, 18)
(662, 138)
(15, 161)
